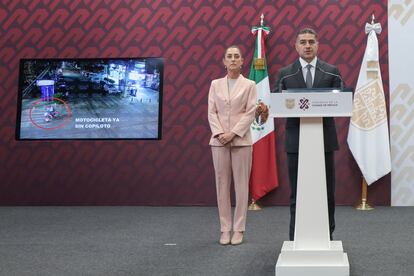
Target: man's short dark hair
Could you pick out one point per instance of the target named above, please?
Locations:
(307, 31)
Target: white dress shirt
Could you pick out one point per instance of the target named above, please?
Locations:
(303, 63)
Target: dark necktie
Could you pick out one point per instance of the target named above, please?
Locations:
(308, 76)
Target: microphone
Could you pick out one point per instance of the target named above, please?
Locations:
(332, 74)
(287, 76)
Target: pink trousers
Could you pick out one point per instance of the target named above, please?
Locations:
(237, 162)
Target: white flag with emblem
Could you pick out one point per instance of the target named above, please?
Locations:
(368, 137)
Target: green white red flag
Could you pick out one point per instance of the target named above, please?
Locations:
(263, 176)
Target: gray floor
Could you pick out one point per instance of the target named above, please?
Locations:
(184, 241)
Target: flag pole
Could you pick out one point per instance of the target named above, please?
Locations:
(364, 206)
(254, 206)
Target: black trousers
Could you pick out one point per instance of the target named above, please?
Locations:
(330, 188)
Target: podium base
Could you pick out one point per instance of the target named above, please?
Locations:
(314, 262)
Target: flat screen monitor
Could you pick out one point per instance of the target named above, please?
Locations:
(111, 98)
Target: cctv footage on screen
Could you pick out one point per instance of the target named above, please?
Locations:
(90, 98)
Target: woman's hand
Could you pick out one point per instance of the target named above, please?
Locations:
(226, 137)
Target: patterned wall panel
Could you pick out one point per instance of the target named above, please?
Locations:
(401, 18)
(191, 36)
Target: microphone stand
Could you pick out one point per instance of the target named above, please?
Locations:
(285, 77)
(335, 75)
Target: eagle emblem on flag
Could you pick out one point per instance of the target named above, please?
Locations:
(261, 115)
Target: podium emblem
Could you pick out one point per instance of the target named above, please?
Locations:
(290, 103)
(304, 103)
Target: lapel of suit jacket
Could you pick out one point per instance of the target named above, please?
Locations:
(223, 88)
(318, 74)
(299, 76)
(236, 87)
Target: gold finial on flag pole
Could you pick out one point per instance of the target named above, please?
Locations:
(261, 19)
(372, 19)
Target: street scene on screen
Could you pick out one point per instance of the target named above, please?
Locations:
(90, 99)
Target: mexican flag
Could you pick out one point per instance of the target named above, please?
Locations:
(263, 176)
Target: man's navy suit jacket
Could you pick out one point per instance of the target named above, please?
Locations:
(295, 79)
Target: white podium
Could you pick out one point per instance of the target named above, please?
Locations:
(311, 252)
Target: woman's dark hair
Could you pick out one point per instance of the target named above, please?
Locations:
(233, 46)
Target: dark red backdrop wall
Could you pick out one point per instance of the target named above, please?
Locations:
(191, 36)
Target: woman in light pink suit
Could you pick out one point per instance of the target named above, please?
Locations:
(231, 108)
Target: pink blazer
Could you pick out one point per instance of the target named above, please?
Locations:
(233, 113)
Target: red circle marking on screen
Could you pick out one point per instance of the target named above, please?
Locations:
(55, 127)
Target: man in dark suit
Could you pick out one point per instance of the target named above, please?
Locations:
(309, 72)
